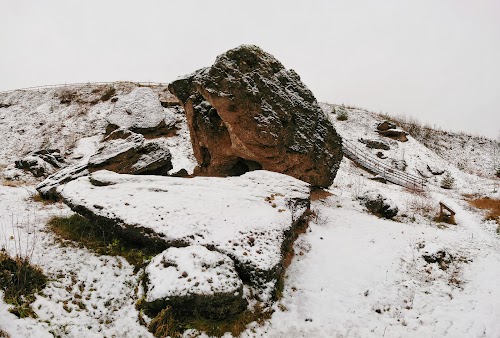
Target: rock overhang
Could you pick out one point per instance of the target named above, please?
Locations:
(248, 106)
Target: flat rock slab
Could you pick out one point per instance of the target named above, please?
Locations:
(250, 218)
(194, 279)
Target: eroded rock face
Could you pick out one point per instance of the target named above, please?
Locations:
(128, 153)
(248, 112)
(250, 218)
(194, 279)
(375, 144)
(48, 188)
(42, 162)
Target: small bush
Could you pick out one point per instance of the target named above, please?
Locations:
(20, 281)
(342, 115)
(66, 96)
(110, 91)
(164, 325)
(448, 181)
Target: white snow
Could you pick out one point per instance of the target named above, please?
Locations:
(141, 108)
(224, 212)
(192, 270)
(353, 274)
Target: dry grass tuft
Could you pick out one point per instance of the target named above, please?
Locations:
(168, 324)
(20, 280)
(9, 183)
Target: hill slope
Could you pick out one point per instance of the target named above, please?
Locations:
(353, 275)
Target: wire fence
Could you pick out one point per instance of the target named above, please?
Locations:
(373, 164)
(85, 84)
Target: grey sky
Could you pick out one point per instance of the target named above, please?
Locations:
(437, 60)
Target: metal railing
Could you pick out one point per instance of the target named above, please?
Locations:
(376, 166)
(84, 84)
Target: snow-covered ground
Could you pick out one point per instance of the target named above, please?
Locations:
(353, 274)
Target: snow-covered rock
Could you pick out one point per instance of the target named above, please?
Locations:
(375, 144)
(247, 112)
(194, 279)
(140, 109)
(48, 187)
(434, 169)
(41, 162)
(395, 134)
(379, 204)
(129, 153)
(250, 218)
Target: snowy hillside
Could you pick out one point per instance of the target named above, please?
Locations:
(353, 274)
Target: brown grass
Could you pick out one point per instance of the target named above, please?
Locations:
(39, 199)
(9, 183)
(167, 324)
(319, 194)
(490, 204)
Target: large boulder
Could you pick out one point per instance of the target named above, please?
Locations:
(251, 218)
(248, 112)
(140, 111)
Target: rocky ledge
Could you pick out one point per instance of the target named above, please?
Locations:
(249, 218)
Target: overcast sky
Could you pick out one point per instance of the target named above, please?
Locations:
(438, 61)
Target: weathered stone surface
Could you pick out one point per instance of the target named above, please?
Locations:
(128, 153)
(375, 144)
(248, 112)
(251, 218)
(379, 204)
(435, 170)
(140, 111)
(194, 279)
(395, 134)
(48, 188)
(42, 162)
(399, 164)
(386, 125)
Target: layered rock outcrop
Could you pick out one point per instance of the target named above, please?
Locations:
(126, 152)
(248, 112)
(251, 218)
(42, 162)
